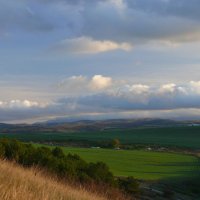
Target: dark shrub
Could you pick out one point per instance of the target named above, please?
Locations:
(2, 151)
(55, 161)
(13, 149)
(26, 157)
(115, 143)
(58, 152)
(129, 185)
(100, 172)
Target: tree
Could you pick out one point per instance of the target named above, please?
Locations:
(115, 143)
(58, 152)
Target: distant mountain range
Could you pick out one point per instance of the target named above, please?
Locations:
(92, 125)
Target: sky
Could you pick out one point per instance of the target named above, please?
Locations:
(99, 59)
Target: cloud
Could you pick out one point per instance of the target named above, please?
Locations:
(86, 45)
(109, 98)
(180, 8)
(78, 29)
(24, 110)
(139, 88)
(100, 82)
(127, 96)
(18, 104)
(106, 92)
(83, 85)
(138, 26)
(146, 100)
(105, 25)
(195, 86)
(168, 88)
(74, 84)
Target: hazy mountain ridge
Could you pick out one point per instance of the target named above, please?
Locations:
(92, 125)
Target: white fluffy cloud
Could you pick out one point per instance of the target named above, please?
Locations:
(100, 82)
(168, 88)
(100, 91)
(139, 88)
(18, 104)
(195, 86)
(87, 45)
(16, 110)
(83, 85)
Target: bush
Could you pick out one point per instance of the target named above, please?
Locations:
(26, 157)
(2, 151)
(130, 185)
(115, 143)
(64, 166)
(100, 172)
(12, 149)
(58, 152)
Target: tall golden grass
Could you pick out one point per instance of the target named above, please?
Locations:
(18, 183)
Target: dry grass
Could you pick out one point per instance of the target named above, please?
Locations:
(17, 183)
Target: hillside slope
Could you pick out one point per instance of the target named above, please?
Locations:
(17, 183)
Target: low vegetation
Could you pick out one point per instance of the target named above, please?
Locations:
(68, 167)
(17, 183)
(141, 164)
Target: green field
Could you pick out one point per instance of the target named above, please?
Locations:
(138, 163)
(188, 137)
(141, 164)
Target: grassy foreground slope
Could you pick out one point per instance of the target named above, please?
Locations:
(141, 164)
(17, 183)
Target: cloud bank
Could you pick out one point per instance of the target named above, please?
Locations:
(108, 97)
